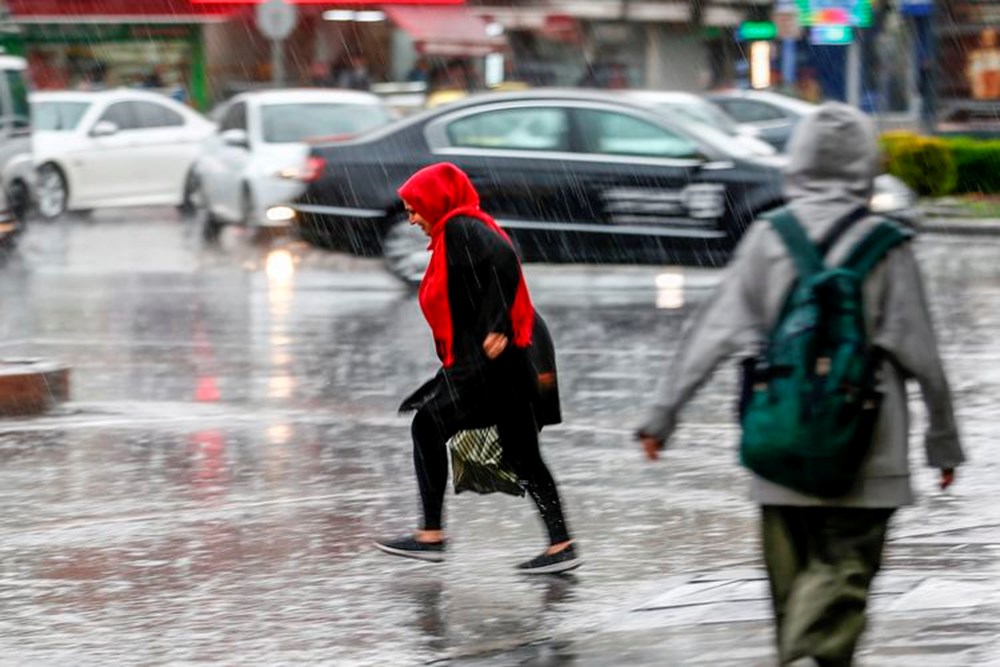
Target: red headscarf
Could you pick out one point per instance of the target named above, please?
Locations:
(439, 193)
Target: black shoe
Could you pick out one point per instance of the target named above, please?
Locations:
(409, 547)
(563, 561)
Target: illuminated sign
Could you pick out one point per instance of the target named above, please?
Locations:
(857, 13)
(831, 34)
(352, 3)
(756, 31)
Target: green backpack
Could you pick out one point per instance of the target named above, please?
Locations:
(810, 402)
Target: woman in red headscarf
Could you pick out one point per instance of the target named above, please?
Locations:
(498, 362)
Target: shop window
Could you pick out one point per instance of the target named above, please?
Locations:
(611, 133)
(151, 115)
(121, 114)
(544, 129)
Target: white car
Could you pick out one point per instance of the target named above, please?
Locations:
(120, 147)
(257, 157)
(695, 109)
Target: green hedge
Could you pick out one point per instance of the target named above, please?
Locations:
(935, 166)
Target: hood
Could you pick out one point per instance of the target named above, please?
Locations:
(437, 190)
(832, 164)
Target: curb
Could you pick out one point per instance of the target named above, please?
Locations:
(31, 386)
(967, 227)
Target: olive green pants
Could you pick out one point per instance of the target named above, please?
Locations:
(820, 564)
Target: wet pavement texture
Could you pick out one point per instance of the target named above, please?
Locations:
(232, 447)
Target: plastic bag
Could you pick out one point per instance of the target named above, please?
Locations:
(477, 463)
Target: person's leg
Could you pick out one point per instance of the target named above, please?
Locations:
(431, 430)
(518, 433)
(825, 611)
(785, 552)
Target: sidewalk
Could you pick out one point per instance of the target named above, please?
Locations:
(940, 607)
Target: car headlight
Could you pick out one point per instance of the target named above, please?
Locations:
(890, 195)
(289, 173)
(280, 213)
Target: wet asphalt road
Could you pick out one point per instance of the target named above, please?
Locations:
(232, 447)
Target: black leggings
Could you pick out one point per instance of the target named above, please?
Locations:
(433, 425)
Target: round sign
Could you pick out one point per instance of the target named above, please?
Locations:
(276, 19)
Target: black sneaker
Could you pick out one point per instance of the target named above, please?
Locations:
(564, 561)
(409, 547)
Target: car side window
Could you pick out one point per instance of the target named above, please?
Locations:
(235, 118)
(121, 114)
(150, 115)
(751, 112)
(612, 133)
(527, 129)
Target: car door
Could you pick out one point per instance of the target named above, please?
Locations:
(165, 147)
(516, 155)
(648, 186)
(104, 168)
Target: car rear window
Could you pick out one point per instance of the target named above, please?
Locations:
(289, 123)
(57, 116)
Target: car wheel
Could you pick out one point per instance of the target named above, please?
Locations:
(247, 208)
(404, 251)
(192, 199)
(53, 194)
(18, 199)
(211, 227)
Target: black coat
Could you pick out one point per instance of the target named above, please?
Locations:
(483, 276)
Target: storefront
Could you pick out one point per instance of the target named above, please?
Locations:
(968, 57)
(203, 51)
(91, 44)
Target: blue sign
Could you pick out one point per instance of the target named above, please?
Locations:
(916, 7)
(831, 35)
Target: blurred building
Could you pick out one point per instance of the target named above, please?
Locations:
(206, 50)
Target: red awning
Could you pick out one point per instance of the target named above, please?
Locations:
(446, 31)
(121, 11)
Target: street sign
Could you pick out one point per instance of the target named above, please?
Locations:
(831, 35)
(756, 31)
(276, 19)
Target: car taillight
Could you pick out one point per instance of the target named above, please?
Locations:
(312, 169)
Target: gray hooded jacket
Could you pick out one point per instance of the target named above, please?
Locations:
(830, 174)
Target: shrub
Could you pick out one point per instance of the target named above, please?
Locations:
(978, 164)
(923, 163)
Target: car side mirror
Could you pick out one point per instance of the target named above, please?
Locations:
(104, 128)
(236, 137)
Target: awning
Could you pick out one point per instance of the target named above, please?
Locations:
(118, 11)
(446, 31)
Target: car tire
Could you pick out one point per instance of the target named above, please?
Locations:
(247, 208)
(211, 226)
(19, 199)
(404, 251)
(52, 191)
(191, 199)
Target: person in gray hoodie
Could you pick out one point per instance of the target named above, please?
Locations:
(821, 555)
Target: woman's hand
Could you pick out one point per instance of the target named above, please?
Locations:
(494, 345)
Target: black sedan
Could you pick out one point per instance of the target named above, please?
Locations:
(572, 176)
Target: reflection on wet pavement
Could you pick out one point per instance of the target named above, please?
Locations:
(232, 447)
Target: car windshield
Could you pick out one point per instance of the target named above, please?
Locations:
(57, 116)
(286, 123)
(703, 113)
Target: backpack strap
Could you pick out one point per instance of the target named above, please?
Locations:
(838, 229)
(870, 250)
(807, 259)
